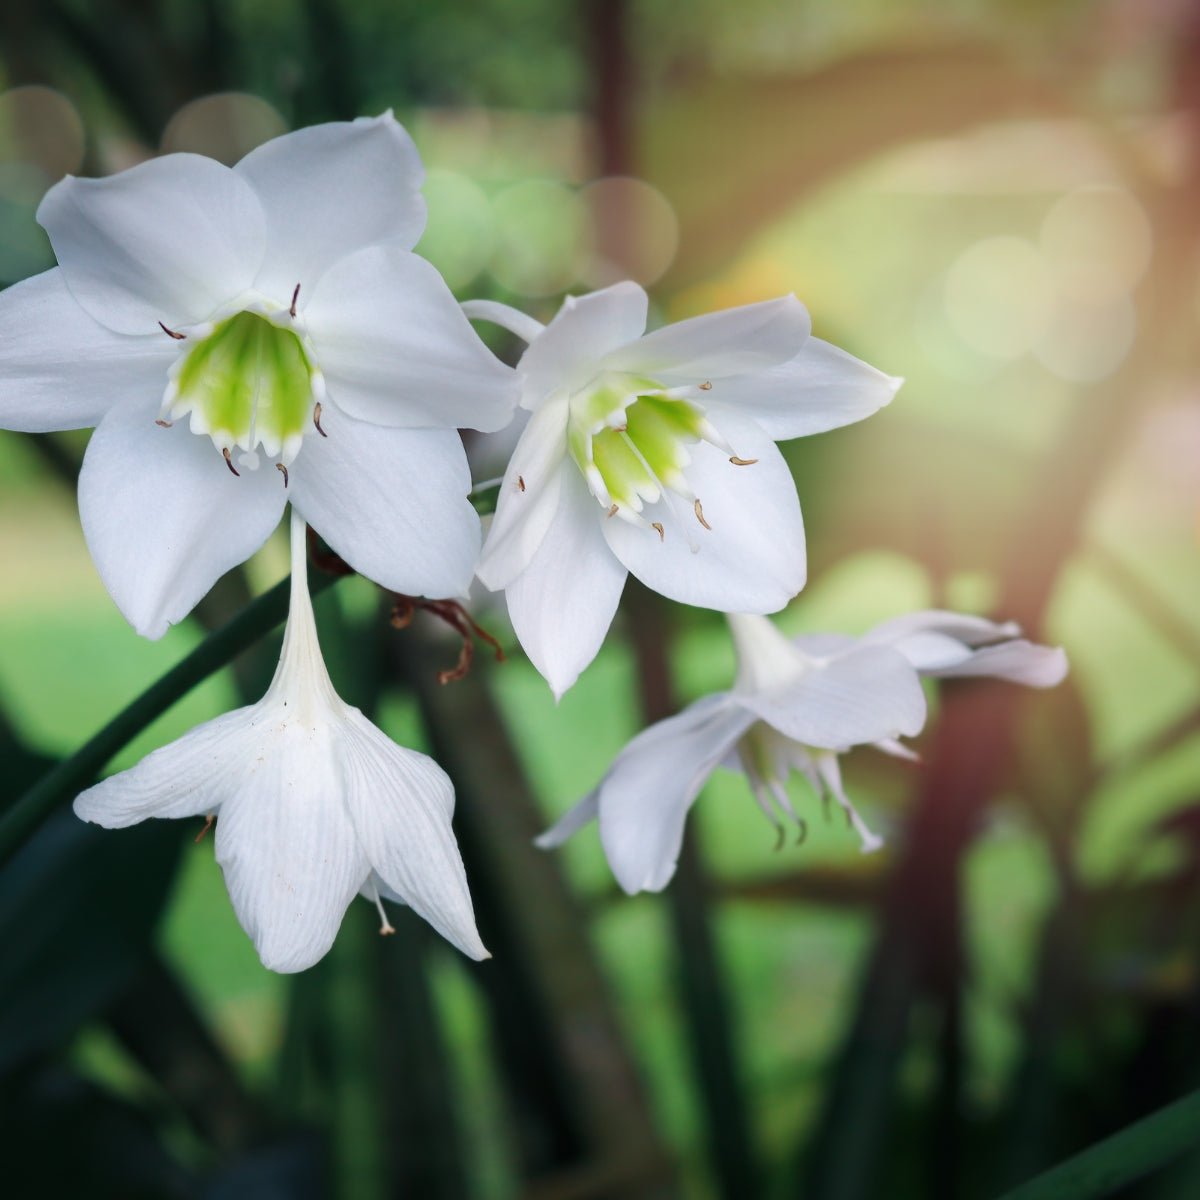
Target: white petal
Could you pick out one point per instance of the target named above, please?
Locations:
(529, 496)
(562, 604)
(868, 694)
(971, 631)
(400, 802)
(163, 516)
(287, 846)
(192, 776)
(329, 190)
(944, 644)
(392, 502)
(169, 240)
(396, 348)
(520, 324)
(1018, 661)
(645, 797)
(822, 388)
(752, 559)
(823, 645)
(717, 345)
(570, 823)
(568, 353)
(62, 370)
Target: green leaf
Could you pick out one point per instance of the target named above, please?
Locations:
(1126, 1156)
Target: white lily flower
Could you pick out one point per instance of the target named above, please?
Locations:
(313, 804)
(655, 454)
(277, 306)
(795, 706)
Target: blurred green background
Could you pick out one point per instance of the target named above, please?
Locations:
(996, 200)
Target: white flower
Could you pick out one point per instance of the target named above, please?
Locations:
(314, 805)
(795, 706)
(655, 453)
(269, 304)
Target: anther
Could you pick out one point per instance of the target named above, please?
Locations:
(742, 462)
(171, 332)
(700, 514)
(612, 512)
(662, 537)
(208, 824)
(317, 419)
(802, 836)
(780, 834)
(281, 467)
(229, 461)
(164, 424)
(520, 483)
(706, 386)
(295, 297)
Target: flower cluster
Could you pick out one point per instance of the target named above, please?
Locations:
(247, 338)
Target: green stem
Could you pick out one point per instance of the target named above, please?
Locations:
(1128, 1155)
(70, 776)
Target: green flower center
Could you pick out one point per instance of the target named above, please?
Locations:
(248, 383)
(630, 438)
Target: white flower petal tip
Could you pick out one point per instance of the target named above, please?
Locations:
(314, 804)
(219, 348)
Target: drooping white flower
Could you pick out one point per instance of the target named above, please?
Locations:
(795, 706)
(313, 804)
(275, 310)
(655, 454)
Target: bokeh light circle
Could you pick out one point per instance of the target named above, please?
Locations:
(542, 237)
(225, 126)
(1097, 241)
(635, 232)
(998, 296)
(461, 231)
(40, 127)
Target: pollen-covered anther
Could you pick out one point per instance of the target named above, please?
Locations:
(706, 386)
(179, 337)
(208, 824)
(700, 515)
(281, 467)
(229, 461)
(317, 419)
(163, 424)
(742, 462)
(520, 483)
(295, 297)
(612, 512)
(657, 525)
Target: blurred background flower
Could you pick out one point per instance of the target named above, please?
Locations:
(998, 202)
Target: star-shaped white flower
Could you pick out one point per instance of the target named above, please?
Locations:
(244, 336)
(314, 804)
(795, 706)
(655, 454)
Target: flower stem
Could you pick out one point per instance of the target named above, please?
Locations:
(70, 776)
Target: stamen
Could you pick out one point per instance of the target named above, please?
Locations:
(662, 537)
(295, 297)
(700, 515)
(612, 512)
(281, 467)
(229, 461)
(781, 833)
(706, 386)
(317, 420)
(802, 836)
(385, 926)
(520, 483)
(742, 462)
(179, 337)
(208, 824)
(164, 424)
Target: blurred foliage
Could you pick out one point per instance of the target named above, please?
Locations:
(996, 200)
